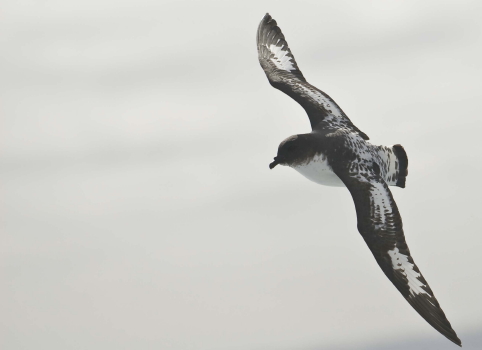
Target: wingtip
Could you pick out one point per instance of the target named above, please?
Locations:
(266, 20)
(457, 341)
(454, 339)
(428, 307)
(265, 26)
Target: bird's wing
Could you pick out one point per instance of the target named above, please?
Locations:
(283, 73)
(380, 224)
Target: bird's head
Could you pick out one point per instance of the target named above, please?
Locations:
(291, 151)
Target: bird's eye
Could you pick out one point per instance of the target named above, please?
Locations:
(290, 146)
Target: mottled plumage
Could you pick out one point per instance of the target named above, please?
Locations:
(337, 153)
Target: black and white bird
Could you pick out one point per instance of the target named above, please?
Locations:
(337, 153)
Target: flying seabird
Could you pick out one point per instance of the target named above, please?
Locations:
(337, 153)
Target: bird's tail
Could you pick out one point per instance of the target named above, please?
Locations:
(395, 162)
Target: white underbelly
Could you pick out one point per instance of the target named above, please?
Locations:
(319, 171)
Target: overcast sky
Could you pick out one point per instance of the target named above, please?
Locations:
(137, 207)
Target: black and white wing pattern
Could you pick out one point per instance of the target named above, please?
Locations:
(380, 224)
(283, 73)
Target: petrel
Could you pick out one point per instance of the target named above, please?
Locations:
(337, 153)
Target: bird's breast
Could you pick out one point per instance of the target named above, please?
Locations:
(318, 170)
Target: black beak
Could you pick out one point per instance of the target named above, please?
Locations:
(275, 163)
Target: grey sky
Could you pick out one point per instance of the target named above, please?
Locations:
(138, 210)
